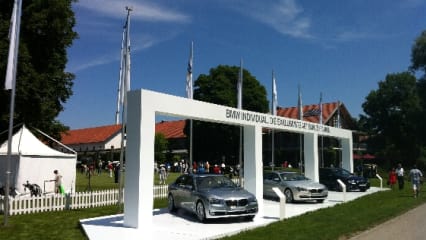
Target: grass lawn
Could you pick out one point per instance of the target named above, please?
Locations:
(339, 222)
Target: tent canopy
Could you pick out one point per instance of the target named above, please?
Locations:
(25, 143)
(33, 161)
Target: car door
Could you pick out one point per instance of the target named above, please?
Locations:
(177, 189)
(187, 196)
(270, 181)
(327, 178)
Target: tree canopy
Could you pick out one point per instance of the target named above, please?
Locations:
(42, 85)
(418, 53)
(216, 142)
(160, 148)
(392, 112)
(396, 110)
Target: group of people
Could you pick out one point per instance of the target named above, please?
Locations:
(415, 176)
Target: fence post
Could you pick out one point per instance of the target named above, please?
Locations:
(67, 201)
(1, 205)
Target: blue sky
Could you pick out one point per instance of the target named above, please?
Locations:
(340, 48)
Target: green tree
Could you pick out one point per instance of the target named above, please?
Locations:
(42, 85)
(392, 117)
(418, 63)
(160, 148)
(418, 53)
(212, 141)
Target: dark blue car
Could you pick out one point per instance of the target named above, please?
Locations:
(329, 176)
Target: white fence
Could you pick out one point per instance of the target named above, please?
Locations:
(77, 200)
(57, 202)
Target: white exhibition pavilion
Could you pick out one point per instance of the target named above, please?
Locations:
(144, 105)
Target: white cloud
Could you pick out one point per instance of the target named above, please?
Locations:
(285, 16)
(140, 10)
(351, 36)
(138, 43)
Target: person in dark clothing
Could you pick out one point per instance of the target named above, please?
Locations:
(116, 172)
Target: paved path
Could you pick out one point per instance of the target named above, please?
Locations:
(410, 226)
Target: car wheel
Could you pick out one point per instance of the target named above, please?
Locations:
(320, 200)
(171, 203)
(201, 211)
(288, 195)
(249, 218)
(363, 189)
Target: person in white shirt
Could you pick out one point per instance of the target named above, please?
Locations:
(400, 176)
(415, 177)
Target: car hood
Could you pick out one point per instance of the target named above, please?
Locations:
(357, 179)
(305, 184)
(228, 192)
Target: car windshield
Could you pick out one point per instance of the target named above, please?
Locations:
(343, 172)
(219, 181)
(293, 177)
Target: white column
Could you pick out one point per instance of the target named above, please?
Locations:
(253, 166)
(139, 167)
(311, 156)
(347, 154)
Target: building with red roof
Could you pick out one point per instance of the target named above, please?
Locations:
(107, 139)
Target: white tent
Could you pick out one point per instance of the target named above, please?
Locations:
(33, 161)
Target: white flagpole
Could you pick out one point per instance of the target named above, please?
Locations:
(300, 116)
(338, 114)
(299, 104)
(120, 81)
(190, 95)
(125, 88)
(274, 112)
(10, 83)
(322, 137)
(240, 106)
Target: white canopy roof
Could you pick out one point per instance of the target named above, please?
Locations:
(25, 143)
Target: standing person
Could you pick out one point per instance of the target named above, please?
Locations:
(415, 177)
(100, 167)
(162, 174)
(207, 167)
(58, 182)
(110, 169)
(400, 176)
(392, 178)
(116, 172)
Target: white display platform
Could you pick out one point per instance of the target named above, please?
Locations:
(184, 226)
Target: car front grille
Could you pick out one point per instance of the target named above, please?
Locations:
(236, 203)
(316, 190)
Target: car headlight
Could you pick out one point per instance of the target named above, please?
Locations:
(351, 181)
(252, 200)
(301, 189)
(216, 201)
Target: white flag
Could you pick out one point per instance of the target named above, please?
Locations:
(125, 76)
(13, 46)
(300, 105)
(274, 95)
(240, 87)
(189, 88)
(320, 107)
(127, 52)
